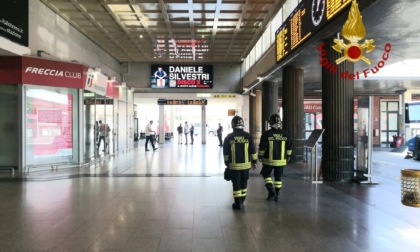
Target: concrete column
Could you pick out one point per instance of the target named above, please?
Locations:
(293, 109)
(161, 124)
(203, 124)
(337, 119)
(255, 117)
(270, 96)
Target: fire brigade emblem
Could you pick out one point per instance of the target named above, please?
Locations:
(353, 31)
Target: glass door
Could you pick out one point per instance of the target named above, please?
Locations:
(389, 122)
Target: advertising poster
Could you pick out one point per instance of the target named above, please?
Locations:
(181, 76)
(14, 20)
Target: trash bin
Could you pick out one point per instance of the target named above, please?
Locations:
(410, 187)
(397, 141)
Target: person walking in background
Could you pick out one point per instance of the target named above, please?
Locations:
(274, 152)
(150, 134)
(103, 134)
(179, 129)
(186, 132)
(219, 134)
(239, 156)
(192, 133)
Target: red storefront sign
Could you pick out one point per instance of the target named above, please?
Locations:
(113, 89)
(36, 71)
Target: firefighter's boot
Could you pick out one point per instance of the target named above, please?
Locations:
(271, 193)
(238, 204)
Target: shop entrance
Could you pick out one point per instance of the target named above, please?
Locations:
(99, 124)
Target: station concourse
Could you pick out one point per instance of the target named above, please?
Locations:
(79, 81)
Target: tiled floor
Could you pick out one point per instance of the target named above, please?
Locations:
(175, 199)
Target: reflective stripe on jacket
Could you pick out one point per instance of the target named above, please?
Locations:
(239, 150)
(275, 146)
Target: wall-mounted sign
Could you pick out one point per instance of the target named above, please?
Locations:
(37, 71)
(181, 76)
(96, 82)
(224, 95)
(231, 112)
(14, 20)
(182, 102)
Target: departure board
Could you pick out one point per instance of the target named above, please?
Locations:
(182, 102)
(306, 19)
(334, 6)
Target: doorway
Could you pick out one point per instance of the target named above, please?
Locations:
(389, 121)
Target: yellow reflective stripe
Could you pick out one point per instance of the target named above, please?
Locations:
(232, 149)
(237, 194)
(254, 156)
(244, 192)
(226, 157)
(240, 166)
(270, 150)
(246, 152)
(277, 184)
(289, 152)
(261, 152)
(268, 180)
(283, 145)
(274, 162)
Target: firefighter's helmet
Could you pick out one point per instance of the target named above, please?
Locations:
(237, 122)
(274, 119)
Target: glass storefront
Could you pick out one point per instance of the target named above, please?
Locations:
(9, 126)
(51, 125)
(98, 113)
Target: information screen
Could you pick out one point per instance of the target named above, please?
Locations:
(308, 17)
(181, 76)
(182, 102)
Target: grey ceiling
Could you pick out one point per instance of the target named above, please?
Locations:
(170, 30)
(226, 30)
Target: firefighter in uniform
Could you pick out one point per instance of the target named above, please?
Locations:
(274, 152)
(239, 156)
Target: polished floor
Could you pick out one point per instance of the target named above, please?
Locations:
(175, 199)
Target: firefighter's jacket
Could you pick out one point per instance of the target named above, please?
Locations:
(275, 147)
(239, 150)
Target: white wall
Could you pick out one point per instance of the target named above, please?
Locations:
(51, 33)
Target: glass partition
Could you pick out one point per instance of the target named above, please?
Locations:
(51, 125)
(9, 126)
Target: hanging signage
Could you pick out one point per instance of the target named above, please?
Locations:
(96, 82)
(182, 102)
(307, 19)
(14, 20)
(181, 76)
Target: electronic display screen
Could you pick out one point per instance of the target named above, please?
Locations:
(412, 112)
(181, 76)
(305, 20)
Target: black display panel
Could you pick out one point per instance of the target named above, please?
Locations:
(181, 76)
(14, 20)
(305, 20)
(181, 102)
(412, 112)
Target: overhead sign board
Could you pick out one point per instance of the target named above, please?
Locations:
(182, 102)
(181, 76)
